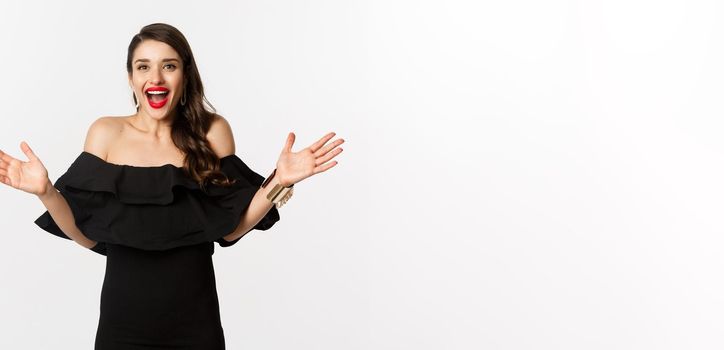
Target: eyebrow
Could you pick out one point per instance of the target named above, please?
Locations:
(147, 60)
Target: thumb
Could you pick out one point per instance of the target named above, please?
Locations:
(28, 152)
(290, 142)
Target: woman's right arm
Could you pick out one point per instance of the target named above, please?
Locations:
(59, 210)
(32, 177)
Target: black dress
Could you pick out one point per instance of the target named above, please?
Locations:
(156, 227)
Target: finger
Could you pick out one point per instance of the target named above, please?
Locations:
(290, 141)
(328, 156)
(325, 167)
(3, 172)
(328, 147)
(28, 152)
(317, 145)
(5, 157)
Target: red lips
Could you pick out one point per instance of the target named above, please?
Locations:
(157, 104)
(156, 88)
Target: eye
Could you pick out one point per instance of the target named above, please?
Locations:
(142, 67)
(170, 65)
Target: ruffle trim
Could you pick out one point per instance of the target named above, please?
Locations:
(146, 185)
(154, 208)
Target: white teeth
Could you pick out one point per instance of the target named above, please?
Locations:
(157, 92)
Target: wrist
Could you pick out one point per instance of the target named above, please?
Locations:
(275, 178)
(276, 192)
(282, 180)
(47, 191)
(273, 182)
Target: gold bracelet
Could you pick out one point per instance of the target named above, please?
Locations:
(268, 178)
(279, 195)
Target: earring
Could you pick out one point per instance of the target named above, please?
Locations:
(183, 98)
(134, 96)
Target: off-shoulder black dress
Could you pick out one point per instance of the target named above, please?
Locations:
(156, 228)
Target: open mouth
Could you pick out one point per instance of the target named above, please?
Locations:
(157, 97)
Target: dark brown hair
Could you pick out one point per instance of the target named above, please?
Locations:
(193, 119)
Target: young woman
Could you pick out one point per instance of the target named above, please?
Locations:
(152, 191)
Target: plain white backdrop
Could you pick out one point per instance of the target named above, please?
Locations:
(516, 175)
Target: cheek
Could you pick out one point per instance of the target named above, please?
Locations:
(179, 85)
(137, 83)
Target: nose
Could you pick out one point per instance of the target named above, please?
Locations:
(156, 77)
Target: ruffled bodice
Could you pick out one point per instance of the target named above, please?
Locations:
(154, 208)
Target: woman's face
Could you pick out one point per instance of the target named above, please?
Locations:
(156, 77)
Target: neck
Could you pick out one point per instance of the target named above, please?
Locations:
(160, 128)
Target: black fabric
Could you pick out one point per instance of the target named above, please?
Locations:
(159, 300)
(156, 228)
(154, 208)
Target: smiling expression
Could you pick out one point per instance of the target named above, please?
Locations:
(156, 77)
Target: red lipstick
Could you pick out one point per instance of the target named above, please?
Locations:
(157, 91)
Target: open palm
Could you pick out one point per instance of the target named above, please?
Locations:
(30, 176)
(293, 167)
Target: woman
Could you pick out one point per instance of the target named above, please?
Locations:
(152, 191)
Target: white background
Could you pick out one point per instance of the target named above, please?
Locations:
(516, 174)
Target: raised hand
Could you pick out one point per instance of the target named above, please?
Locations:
(293, 167)
(30, 176)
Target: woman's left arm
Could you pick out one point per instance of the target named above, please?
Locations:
(257, 209)
(292, 167)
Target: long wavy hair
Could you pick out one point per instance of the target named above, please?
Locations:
(193, 119)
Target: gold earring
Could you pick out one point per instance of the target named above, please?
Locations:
(134, 96)
(183, 98)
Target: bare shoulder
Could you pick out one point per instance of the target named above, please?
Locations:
(101, 134)
(220, 137)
